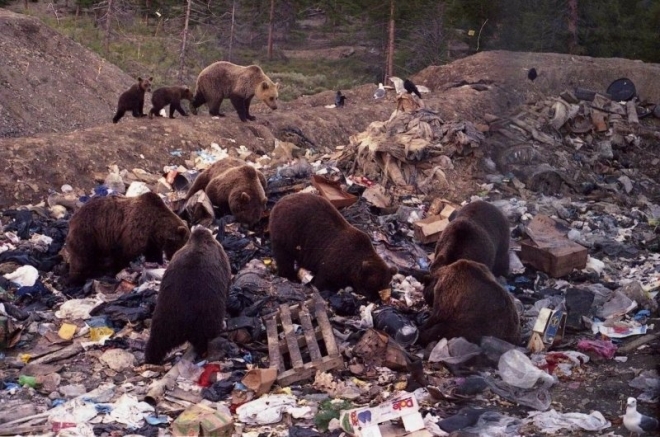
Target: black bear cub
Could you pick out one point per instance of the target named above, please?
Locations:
(192, 299)
(133, 99)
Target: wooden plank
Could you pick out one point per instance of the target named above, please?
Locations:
(273, 345)
(310, 337)
(284, 348)
(324, 323)
(309, 370)
(290, 336)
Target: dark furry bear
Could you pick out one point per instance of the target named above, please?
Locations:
(107, 233)
(192, 298)
(133, 99)
(307, 229)
(239, 192)
(170, 96)
(470, 303)
(479, 231)
(216, 169)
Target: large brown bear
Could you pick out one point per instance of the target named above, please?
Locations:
(470, 303)
(216, 169)
(133, 99)
(107, 233)
(240, 84)
(479, 231)
(172, 96)
(307, 229)
(192, 299)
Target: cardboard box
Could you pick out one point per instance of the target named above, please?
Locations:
(429, 229)
(202, 420)
(548, 330)
(364, 422)
(260, 380)
(332, 191)
(549, 250)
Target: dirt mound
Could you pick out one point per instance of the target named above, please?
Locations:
(49, 83)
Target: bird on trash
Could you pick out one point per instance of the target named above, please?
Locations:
(380, 92)
(411, 88)
(339, 99)
(637, 423)
(532, 74)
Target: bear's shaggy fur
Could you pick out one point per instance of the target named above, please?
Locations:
(307, 229)
(222, 80)
(216, 169)
(133, 99)
(238, 191)
(172, 96)
(470, 303)
(192, 298)
(479, 231)
(107, 233)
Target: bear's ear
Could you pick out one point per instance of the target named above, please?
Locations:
(277, 85)
(151, 78)
(264, 85)
(140, 79)
(394, 270)
(181, 231)
(245, 197)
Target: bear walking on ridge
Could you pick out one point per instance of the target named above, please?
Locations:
(192, 298)
(172, 96)
(107, 233)
(479, 231)
(133, 99)
(307, 229)
(470, 303)
(222, 80)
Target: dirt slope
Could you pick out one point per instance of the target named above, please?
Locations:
(49, 83)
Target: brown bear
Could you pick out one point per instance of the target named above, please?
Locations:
(470, 303)
(133, 99)
(240, 84)
(216, 169)
(239, 192)
(107, 233)
(192, 298)
(479, 231)
(172, 96)
(306, 228)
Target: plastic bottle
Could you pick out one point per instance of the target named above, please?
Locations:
(517, 370)
(396, 325)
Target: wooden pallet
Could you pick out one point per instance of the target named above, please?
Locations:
(292, 346)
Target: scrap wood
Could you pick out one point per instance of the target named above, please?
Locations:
(60, 354)
(157, 388)
(634, 344)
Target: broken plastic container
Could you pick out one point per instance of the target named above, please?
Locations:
(517, 370)
(396, 325)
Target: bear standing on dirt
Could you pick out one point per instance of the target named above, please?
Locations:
(133, 100)
(478, 232)
(222, 80)
(172, 96)
(470, 303)
(192, 298)
(235, 188)
(307, 229)
(107, 233)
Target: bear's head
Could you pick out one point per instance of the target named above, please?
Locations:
(373, 276)
(145, 84)
(268, 92)
(186, 94)
(175, 240)
(247, 207)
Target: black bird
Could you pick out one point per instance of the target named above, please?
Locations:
(339, 100)
(531, 74)
(411, 88)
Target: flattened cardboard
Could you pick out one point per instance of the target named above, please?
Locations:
(364, 422)
(332, 191)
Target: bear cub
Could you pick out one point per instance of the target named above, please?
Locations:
(470, 303)
(133, 99)
(479, 231)
(192, 298)
(107, 233)
(307, 229)
(169, 96)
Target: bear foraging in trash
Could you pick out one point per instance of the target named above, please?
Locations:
(133, 99)
(107, 233)
(307, 229)
(240, 84)
(479, 232)
(235, 188)
(192, 298)
(470, 303)
(172, 96)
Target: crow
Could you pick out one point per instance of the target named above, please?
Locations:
(339, 100)
(411, 88)
(531, 74)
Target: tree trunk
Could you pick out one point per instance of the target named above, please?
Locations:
(573, 25)
(184, 40)
(108, 19)
(389, 71)
(231, 30)
(147, 5)
(270, 29)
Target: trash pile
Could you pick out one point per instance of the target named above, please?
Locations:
(297, 361)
